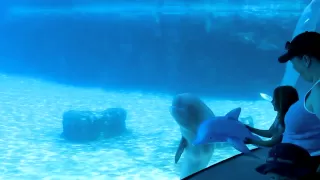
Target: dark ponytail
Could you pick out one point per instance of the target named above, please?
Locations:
(285, 97)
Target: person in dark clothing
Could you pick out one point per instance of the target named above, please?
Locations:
(287, 161)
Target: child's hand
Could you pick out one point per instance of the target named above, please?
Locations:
(248, 141)
(248, 127)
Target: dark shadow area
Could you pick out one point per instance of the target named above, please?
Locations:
(236, 167)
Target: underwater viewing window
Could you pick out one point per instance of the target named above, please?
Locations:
(87, 89)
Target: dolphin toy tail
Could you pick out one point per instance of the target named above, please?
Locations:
(240, 146)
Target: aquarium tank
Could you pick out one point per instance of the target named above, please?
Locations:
(86, 86)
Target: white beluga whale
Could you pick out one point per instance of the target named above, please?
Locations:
(225, 129)
(189, 112)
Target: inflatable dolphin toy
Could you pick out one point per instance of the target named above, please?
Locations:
(225, 129)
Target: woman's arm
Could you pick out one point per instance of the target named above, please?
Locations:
(316, 100)
(307, 22)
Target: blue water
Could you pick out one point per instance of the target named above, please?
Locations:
(31, 147)
(59, 56)
(198, 47)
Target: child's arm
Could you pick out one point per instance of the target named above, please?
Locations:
(276, 139)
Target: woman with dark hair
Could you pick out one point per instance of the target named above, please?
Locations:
(283, 98)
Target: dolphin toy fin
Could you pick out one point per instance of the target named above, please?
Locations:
(234, 114)
(240, 146)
